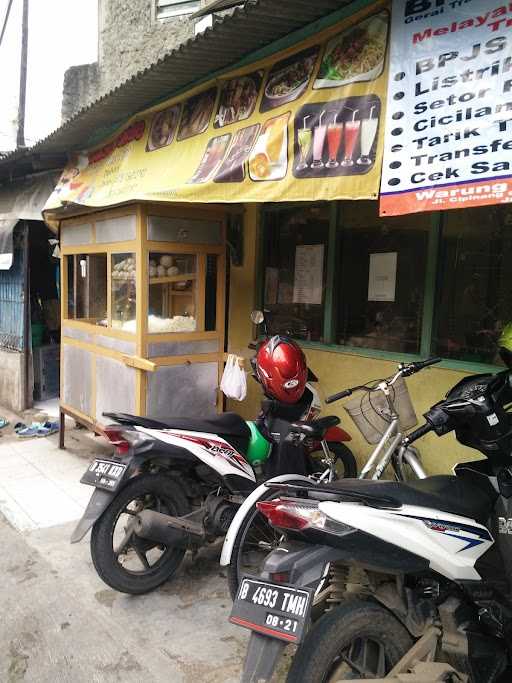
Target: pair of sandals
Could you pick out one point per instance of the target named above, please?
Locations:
(36, 429)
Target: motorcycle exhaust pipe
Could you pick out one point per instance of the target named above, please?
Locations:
(159, 528)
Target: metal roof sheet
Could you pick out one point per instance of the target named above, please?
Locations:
(256, 25)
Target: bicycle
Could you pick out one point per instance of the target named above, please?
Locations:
(393, 446)
(250, 538)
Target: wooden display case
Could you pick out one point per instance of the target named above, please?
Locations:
(143, 297)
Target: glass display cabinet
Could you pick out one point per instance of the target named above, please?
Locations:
(143, 295)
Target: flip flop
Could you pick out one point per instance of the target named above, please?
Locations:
(3, 422)
(28, 432)
(19, 425)
(52, 427)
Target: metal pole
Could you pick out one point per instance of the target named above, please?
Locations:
(20, 139)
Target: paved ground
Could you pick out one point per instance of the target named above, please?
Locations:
(59, 622)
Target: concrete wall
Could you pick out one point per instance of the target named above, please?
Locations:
(130, 39)
(12, 380)
(337, 371)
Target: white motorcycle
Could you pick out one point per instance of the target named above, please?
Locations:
(175, 486)
(414, 579)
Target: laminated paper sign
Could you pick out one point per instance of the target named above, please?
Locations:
(309, 274)
(301, 125)
(382, 276)
(449, 106)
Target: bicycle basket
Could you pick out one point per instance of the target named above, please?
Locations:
(370, 411)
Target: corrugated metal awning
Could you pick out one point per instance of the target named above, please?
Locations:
(258, 24)
(22, 200)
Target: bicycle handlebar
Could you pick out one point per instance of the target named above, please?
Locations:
(419, 365)
(338, 396)
(405, 370)
(418, 433)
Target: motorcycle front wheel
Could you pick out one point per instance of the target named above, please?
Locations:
(124, 561)
(357, 640)
(256, 538)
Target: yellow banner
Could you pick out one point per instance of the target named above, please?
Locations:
(303, 125)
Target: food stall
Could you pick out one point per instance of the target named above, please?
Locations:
(143, 291)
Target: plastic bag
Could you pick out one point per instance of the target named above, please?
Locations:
(234, 382)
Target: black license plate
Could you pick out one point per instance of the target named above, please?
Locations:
(272, 609)
(104, 474)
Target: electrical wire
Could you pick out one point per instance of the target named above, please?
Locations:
(6, 18)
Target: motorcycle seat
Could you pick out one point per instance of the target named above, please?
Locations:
(441, 492)
(315, 429)
(225, 424)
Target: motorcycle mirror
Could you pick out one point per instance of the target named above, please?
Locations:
(257, 317)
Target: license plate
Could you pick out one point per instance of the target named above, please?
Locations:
(272, 609)
(104, 474)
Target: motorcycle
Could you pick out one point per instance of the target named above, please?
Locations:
(412, 580)
(175, 486)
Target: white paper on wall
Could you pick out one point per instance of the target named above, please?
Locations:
(382, 276)
(309, 274)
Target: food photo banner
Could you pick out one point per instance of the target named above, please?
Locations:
(448, 141)
(305, 125)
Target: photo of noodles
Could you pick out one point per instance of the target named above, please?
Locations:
(355, 55)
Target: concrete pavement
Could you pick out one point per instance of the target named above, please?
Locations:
(60, 623)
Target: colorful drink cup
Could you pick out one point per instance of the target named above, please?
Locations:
(334, 134)
(368, 132)
(305, 138)
(351, 135)
(319, 133)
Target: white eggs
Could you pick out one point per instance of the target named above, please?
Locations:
(166, 261)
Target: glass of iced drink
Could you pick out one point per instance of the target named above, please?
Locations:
(334, 133)
(305, 137)
(368, 133)
(318, 145)
(275, 138)
(351, 135)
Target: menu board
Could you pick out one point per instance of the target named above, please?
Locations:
(309, 274)
(304, 124)
(448, 141)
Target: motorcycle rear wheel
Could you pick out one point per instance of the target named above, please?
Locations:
(147, 491)
(357, 640)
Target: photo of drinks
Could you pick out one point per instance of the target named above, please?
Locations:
(269, 157)
(288, 79)
(163, 128)
(232, 169)
(237, 99)
(336, 138)
(197, 112)
(212, 157)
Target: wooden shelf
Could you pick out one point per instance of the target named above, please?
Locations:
(171, 278)
(175, 292)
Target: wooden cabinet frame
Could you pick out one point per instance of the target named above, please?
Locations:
(141, 246)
